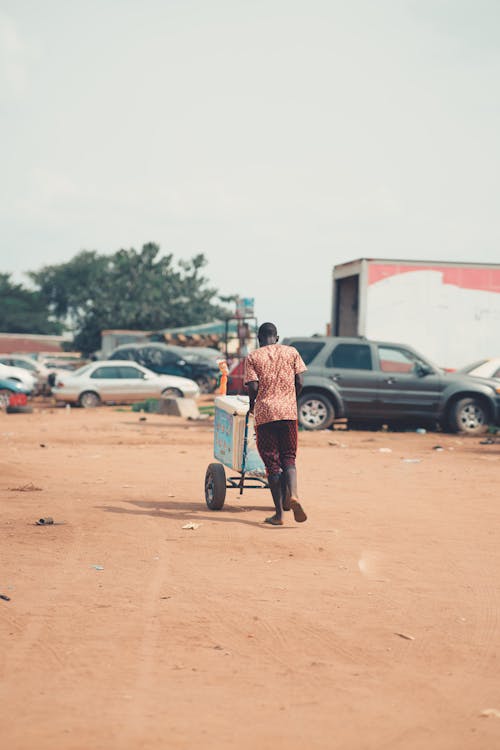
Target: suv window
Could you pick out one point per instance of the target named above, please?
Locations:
(106, 372)
(395, 360)
(123, 354)
(155, 358)
(308, 350)
(351, 357)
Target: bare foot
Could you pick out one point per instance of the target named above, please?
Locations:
(274, 521)
(298, 511)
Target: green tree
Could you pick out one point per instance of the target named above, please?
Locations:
(23, 310)
(128, 289)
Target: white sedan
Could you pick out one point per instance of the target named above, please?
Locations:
(20, 375)
(484, 368)
(118, 381)
(32, 366)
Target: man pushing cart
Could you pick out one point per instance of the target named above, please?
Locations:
(273, 376)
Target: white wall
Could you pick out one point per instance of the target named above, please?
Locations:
(450, 325)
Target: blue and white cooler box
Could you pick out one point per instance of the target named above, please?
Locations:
(229, 435)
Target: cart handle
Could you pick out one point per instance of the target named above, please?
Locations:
(244, 460)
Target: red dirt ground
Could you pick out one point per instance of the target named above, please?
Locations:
(239, 634)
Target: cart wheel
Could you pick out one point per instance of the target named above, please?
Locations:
(215, 486)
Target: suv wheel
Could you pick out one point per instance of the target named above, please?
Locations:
(469, 415)
(316, 411)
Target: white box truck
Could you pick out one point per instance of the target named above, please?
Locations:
(448, 311)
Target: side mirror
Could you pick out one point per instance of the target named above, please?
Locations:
(181, 362)
(422, 369)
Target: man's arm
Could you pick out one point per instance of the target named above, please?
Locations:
(253, 389)
(299, 384)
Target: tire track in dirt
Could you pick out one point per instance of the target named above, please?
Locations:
(143, 660)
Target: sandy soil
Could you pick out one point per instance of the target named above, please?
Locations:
(239, 634)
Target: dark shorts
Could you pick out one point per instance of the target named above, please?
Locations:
(277, 444)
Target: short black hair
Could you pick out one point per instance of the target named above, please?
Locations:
(267, 330)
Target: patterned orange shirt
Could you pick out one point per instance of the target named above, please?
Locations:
(274, 367)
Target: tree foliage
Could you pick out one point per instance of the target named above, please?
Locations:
(128, 289)
(23, 310)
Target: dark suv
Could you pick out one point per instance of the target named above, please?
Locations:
(374, 381)
(172, 360)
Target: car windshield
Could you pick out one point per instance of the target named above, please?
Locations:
(81, 371)
(469, 368)
(199, 357)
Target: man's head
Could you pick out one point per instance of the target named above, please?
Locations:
(268, 334)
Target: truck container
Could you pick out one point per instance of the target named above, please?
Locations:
(449, 311)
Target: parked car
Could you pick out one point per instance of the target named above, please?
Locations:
(19, 375)
(35, 368)
(12, 393)
(171, 360)
(484, 368)
(120, 381)
(374, 381)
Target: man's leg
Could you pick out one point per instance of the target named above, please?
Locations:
(285, 492)
(267, 445)
(275, 487)
(288, 453)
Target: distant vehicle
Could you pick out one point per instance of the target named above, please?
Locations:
(19, 375)
(11, 393)
(205, 352)
(119, 381)
(483, 368)
(35, 368)
(374, 381)
(62, 363)
(171, 360)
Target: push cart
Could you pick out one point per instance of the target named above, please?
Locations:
(235, 448)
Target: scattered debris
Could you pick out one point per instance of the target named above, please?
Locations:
(490, 712)
(5, 597)
(142, 419)
(437, 448)
(97, 567)
(421, 431)
(42, 445)
(488, 441)
(47, 521)
(385, 450)
(411, 460)
(191, 525)
(30, 487)
(405, 636)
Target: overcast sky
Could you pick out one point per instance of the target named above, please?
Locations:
(278, 137)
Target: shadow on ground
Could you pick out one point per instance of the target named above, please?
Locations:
(187, 511)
